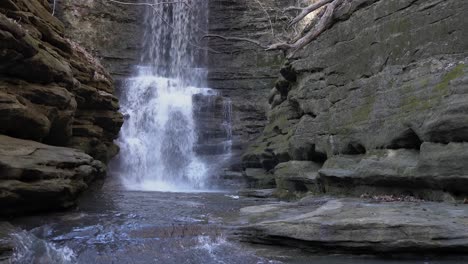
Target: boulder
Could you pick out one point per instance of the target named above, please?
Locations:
(37, 177)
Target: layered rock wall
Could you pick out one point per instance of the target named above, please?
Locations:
(379, 100)
(243, 71)
(51, 91)
(111, 31)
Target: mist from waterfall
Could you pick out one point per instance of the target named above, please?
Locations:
(159, 134)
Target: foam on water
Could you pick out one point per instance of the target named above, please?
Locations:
(30, 249)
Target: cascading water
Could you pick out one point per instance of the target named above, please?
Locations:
(159, 135)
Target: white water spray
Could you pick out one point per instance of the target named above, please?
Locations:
(158, 138)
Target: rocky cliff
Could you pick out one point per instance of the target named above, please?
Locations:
(377, 104)
(113, 32)
(54, 92)
(241, 71)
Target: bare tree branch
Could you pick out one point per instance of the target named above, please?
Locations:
(321, 22)
(234, 39)
(269, 18)
(309, 9)
(149, 4)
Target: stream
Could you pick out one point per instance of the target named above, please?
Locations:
(112, 225)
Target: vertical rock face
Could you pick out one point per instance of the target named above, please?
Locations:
(111, 31)
(240, 70)
(377, 97)
(51, 91)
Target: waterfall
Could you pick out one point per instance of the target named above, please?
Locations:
(160, 134)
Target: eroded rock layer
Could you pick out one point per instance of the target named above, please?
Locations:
(243, 71)
(110, 30)
(51, 89)
(35, 177)
(54, 92)
(378, 101)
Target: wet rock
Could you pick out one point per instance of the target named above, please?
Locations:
(36, 177)
(6, 242)
(359, 226)
(257, 193)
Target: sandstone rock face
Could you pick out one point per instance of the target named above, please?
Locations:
(359, 226)
(51, 89)
(36, 177)
(380, 97)
(111, 31)
(242, 71)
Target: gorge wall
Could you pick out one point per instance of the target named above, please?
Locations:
(110, 31)
(243, 73)
(377, 104)
(240, 70)
(51, 92)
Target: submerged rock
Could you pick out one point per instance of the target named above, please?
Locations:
(36, 177)
(359, 226)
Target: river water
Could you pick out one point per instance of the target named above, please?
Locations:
(115, 225)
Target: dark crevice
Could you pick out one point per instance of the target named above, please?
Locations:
(354, 148)
(408, 139)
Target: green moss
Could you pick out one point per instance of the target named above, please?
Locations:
(413, 103)
(363, 112)
(270, 61)
(281, 124)
(257, 149)
(455, 73)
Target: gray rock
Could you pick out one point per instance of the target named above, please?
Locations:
(296, 178)
(242, 71)
(257, 193)
(53, 90)
(389, 74)
(434, 173)
(359, 226)
(258, 178)
(36, 177)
